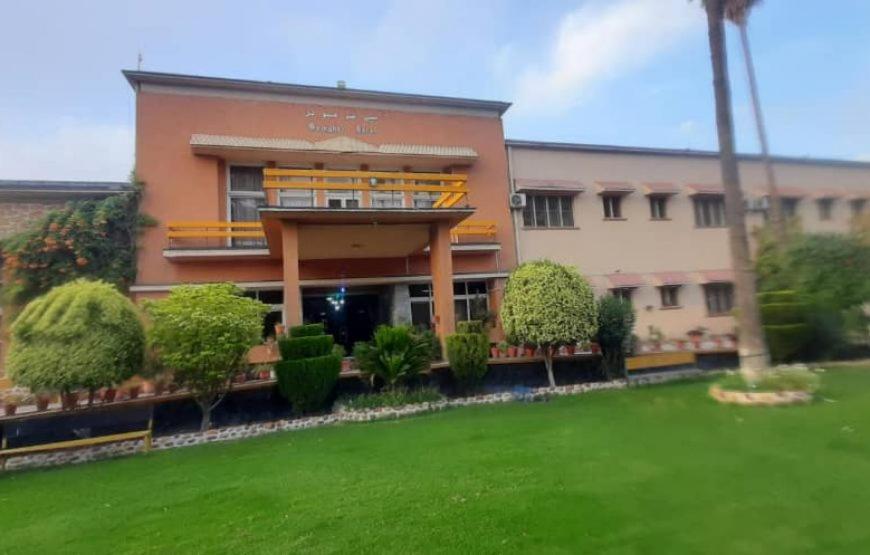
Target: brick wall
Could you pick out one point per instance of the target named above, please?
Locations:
(15, 215)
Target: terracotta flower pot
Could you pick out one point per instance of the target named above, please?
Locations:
(279, 330)
(267, 374)
(69, 401)
(569, 349)
(159, 388)
(42, 402)
(240, 378)
(512, 351)
(494, 352)
(529, 351)
(109, 394)
(133, 391)
(595, 347)
(9, 408)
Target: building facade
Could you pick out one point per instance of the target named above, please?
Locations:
(350, 207)
(649, 224)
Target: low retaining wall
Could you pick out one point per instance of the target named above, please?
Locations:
(230, 433)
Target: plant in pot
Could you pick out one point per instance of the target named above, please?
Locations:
(109, 394)
(12, 399)
(69, 400)
(695, 336)
(570, 348)
(42, 399)
(655, 337)
(133, 387)
(494, 351)
(503, 348)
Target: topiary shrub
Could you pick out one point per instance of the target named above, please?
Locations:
(468, 353)
(203, 333)
(784, 320)
(84, 334)
(469, 326)
(615, 325)
(548, 304)
(396, 354)
(309, 367)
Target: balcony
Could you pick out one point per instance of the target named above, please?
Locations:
(341, 214)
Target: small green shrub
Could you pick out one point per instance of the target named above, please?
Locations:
(468, 354)
(393, 398)
(778, 379)
(307, 330)
(615, 324)
(395, 354)
(469, 326)
(305, 346)
(784, 319)
(431, 338)
(307, 383)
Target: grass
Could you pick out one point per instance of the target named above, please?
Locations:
(659, 469)
(394, 398)
(779, 379)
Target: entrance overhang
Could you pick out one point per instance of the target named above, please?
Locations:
(330, 233)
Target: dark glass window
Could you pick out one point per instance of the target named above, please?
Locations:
(670, 296)
(612, 206)
(719, 298)
(658, 207)
(825, 205)
(709, 211)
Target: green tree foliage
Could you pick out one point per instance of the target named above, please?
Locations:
(396, 354)
(468, 353)
(615, 326)
(309, 368)
(830, 274)
(203, 333)
(84, 334)
(784, 319)
(548, 304)
(93, 239)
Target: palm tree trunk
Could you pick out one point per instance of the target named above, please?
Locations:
(777, 221)
(752, 349)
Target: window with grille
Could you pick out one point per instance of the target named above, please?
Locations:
(670, 296)
(719, 298)
(658, 207)
(624, 293)
(246, 197)
(709, 211)
(549, 211)
(470, 302)
(612, 206)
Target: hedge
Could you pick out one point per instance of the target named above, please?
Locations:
(307, 330)
(468, 354)
(307, 383)
(469, 326)
(293, 348)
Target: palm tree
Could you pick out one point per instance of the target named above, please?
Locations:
(737, 12)
(752, 348)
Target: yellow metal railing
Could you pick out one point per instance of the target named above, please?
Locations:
(475, 228)
(451, 187)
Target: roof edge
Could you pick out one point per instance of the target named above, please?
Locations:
(676, 152)
(136, 77)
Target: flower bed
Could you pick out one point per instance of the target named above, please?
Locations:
(783, 385)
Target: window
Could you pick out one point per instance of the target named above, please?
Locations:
(275, 299)
(789, 207)
(297, 198)
(825, 208)
(549, 211)
(470, 302)
(623, 293)
(719, 298)
(388, 199)
(709, 211)
(857, 206)
(658, 207)
(612, 207)
(670, 296)
(246, 196)
(342, 199)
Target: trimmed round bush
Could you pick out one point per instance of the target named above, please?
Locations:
(784, 319)
(309, 367)
(468, 354)
(81, 335)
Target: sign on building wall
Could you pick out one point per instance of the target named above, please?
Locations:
(338, 121)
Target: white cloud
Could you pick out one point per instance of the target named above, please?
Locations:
(600, 41)
(73, 150)
(688, 127)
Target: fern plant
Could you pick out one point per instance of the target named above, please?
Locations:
(395, 355)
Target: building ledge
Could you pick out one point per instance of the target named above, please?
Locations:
(215, 253)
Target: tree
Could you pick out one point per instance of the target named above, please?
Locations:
(737, 11)
(309, 367)
(203, 333)
(752, 348)
(548, 304)
(615, 325)
(394, 355)
(84, 334)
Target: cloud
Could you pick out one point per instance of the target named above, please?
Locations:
(73, 150)
(601, 41)
(688, 127)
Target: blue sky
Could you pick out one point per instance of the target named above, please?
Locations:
(627, 72)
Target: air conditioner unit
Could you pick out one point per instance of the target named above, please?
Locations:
(518, 200)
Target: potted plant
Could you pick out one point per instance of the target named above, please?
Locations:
(529, 350)
(41, 399)
(494, 351)
(109, 394)
(655, 338)
(69, 400)
(503, 348)
(594, 347)
(695, 336)
(570, 348)
(134, 387)
(279, 330)
(12, 399)
(513, 351)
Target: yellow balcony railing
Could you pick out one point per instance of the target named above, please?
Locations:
(473, 228)
(447, 189)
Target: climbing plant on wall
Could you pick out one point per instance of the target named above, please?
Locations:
(91, 239)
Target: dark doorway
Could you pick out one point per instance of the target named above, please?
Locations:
(354, 320)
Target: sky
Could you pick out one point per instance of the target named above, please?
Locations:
(619, 72)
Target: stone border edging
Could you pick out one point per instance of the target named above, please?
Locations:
(230, 433)
(759, 398)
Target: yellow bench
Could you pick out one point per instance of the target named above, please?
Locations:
(144, 435)
(659, 360)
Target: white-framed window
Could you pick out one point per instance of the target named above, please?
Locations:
(825, 205)
(548, 211)
(709, 211)
(388, 199)
(612, 206)
(624, 293)
(670, 295)
(343, 199)
(245, 196)
(719, 298)
(658, 207)
(297, 198)
(275, 299)
(470, 302)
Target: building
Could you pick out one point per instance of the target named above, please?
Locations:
(346, 206)
(649, 224)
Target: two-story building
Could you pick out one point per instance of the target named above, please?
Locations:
(649, 224)
(346, 206)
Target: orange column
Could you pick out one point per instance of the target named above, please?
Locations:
(292, 292)
(441, 267)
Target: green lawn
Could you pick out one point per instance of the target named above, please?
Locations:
(660, 469)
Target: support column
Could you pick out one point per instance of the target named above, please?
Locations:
(441, 267)
(292, 291)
